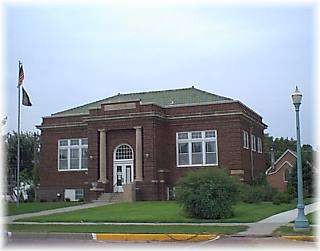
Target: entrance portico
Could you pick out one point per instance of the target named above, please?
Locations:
(125, 164)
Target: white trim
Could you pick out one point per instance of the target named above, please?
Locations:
(286, 162)
(245, 137)
(253, 143)
(259, 145)
(288, 150)
(203, 140)
(121, 162)
(68, 147)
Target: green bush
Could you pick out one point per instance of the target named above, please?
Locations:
(208, 193)
(281, 197)
(253, 194)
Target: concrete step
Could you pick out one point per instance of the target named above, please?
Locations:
(110, 197)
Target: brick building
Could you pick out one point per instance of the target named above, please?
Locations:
(147, 139)
(278, 174)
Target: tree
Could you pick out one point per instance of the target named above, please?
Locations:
(308, 174)
(280, 145)
(29, 152)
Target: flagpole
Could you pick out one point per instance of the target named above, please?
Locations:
(18, 150)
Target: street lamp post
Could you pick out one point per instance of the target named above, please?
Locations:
(301, 222)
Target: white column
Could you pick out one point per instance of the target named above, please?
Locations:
(138, 153)
(103, 157)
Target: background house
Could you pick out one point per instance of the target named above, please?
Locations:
(279, 173)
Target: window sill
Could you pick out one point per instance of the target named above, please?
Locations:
(200, 165)
(73, 170)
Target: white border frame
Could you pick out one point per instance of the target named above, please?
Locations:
(116, 162)
(68, 147)
(190, 140)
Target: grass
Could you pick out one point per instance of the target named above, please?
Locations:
(312, 217)
(31, 207)
(125, 229)
(159, 211)
(288, 230)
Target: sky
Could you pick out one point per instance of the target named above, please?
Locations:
(75, 54)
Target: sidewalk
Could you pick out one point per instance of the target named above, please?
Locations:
(9, 219)
(263, 227)
(268, 225)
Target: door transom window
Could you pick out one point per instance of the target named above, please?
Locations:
(124, 152)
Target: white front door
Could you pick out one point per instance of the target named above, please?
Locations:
(122, 174)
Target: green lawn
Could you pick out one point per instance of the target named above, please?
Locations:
(159, 211)
(31, 207)
(312, 217)
(288, 230)
(126, 229)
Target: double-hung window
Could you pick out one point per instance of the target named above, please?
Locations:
(198, 148)
(72, 154)
(245, 140)
(253, 143)
(259, 145)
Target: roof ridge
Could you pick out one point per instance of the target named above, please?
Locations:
(142, 96)
(145, 92)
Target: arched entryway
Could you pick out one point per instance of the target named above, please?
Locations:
(123, 159)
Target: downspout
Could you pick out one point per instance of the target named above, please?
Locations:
(251, 154)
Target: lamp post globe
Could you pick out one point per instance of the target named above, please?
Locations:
(301, 222)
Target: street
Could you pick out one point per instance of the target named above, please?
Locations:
(223, 242)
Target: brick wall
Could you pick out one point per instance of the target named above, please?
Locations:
(159, 145)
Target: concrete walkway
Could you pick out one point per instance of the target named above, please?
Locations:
(268, 225)
(9, 219)
(263, 227)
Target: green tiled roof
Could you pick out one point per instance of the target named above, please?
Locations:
(185, 96)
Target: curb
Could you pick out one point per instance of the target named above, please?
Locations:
(154, 237)
(299, 237)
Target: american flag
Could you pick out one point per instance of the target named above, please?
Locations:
(21, 75)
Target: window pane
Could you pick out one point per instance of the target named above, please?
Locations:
(196, 147)
(74, 158)
(183, 147)
(79, 194)
(196, 135)
(211, 146)
(183, 159)
(84, 142)
(63, 164)
(197, 158)
(211, 158)
(84, 158)
(74, 153)
(210, 134)
(63, 142)
(74, 142)
(182, 135)
(197, 153)
(63, 159)
(124, 152)
(63, 154)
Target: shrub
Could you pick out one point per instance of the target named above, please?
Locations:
(253, 194)
(281, 197)
(208, 193)
(268, 192)
(31, 194)
(67, 199)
